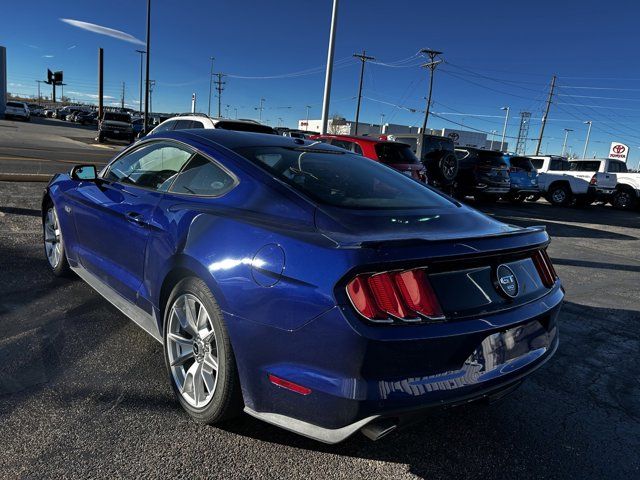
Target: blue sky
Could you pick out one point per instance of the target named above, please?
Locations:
(497, 52)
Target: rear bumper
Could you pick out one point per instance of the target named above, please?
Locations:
(360, 374)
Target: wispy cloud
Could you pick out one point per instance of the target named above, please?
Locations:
(35, 47)
(71, 47)
(90, 95)
(99, 29)
(11, 84)
(47, 56)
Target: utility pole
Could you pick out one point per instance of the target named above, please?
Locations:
(382, 115)
(363, 59)
(210, 85)
(219, 87)
(260, 109)
(141, 52)
(62, 91)
(564, 143)
(586, 142)
(493, 133)
(236, 109)
(327, 79)
(39, 82)
(147, 83)
(152, 84)
(122, 97)
(546, 114)
(431, 65)
(504, 129)
(100, 82)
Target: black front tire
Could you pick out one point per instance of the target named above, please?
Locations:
(624, 199)
(59, 268)
(560, 195)
(226, 402)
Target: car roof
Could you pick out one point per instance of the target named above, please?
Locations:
(233, 139)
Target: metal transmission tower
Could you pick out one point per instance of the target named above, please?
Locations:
(523, 133)
(219, 87)
(363, 58)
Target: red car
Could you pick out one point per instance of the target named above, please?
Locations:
(395, 154)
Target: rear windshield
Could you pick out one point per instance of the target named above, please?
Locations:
(244, 127)
(522, 163)
(585, 166)
(117, 117)
(432, 143)
(342, 179)
(15, 104)
(395, 154)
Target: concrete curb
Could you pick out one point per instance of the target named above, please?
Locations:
(25, 177)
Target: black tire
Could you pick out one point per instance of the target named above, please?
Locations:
(59, 268)
(447, 169)
(624, 199)
(560, 195)
(226, 402)
(486, 197)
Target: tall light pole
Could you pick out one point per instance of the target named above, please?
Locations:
(431, 65)
(329, 72)
(586, 142)
(141, 52)
(504, 129)
(493, 134)
(260, 109)
(210, 85)
(564, 143)
(308, 107)
(382, 115)
(146, 88)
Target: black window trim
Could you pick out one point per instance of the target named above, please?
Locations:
(183, 146)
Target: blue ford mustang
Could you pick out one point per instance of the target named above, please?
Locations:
(310, 287)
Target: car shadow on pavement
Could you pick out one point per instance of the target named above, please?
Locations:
(566, 420)
(31, 212)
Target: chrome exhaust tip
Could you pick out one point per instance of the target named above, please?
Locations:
(378, 429)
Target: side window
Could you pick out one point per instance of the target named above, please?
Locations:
(202, 177)
(182, 124)
(356, 149)
(196, 124)
(342, 144)
(538, 163)
(613, 167)
(165, 126)
(151, 166)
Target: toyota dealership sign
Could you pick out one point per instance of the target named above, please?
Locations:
(619, 151)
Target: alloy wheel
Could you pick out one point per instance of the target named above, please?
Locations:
(623, 199)
(52, 238)
(192, 350)
(559, 195)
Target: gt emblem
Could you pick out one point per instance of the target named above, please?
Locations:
(507, 281)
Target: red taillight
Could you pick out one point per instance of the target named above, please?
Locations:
(389, 296)
(294, 387)
(545, 268)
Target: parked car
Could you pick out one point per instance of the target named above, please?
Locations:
(523, 179)
(438, 156)
(48, 112)
(115, 125)
(186, 121)
(394, 154)
(483, 174)
(87, 118)
(17, 110)
(310, 287)
(35, 110)
(612, 181)
(563, 185)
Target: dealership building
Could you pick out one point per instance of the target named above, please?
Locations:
(463, 138)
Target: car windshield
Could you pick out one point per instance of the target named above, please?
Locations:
(585, 166)
(342, 179)
(395, 154)
(15, 104)
(244, 127)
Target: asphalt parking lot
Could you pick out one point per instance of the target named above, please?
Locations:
(83, 392)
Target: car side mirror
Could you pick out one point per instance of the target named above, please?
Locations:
(84, 172)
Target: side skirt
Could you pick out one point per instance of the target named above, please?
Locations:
(145, 321)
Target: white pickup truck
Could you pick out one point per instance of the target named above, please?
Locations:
(586, 180)
(562, 186)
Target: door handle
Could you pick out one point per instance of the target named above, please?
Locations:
(136, 218)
